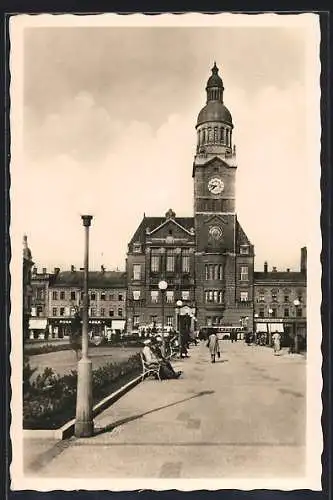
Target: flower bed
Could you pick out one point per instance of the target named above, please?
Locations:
(50, 400)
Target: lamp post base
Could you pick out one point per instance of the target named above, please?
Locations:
(84, 425)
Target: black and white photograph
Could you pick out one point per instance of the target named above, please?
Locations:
(165, 234)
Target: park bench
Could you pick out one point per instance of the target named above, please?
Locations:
(149, 369)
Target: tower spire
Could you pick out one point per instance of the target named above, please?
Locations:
(214, 86)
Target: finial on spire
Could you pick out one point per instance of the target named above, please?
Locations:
(215, 69)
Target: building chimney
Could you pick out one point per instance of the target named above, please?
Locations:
(56, 270)
(303, 259)
(72, 269)
(102, 269)
(265, 267)
(274, 270)
(34, 270)
(288, 270)
(44, 271)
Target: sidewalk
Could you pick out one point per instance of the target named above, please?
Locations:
(243, 415)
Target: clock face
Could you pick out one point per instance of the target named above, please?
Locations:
(215, 185)
(215, 232)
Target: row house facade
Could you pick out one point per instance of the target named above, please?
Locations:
(280, 300)
(40, 281)
(107, 301)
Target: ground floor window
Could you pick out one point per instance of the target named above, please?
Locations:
(153, 319)
(169, 320)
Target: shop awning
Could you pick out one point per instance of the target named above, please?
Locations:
(261, 327)
(37, 323)
(118, 324)
(275, 327)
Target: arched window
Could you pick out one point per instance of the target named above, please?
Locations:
(222, 135)
(216, 139)
(210, 134)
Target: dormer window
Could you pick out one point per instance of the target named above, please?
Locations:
(244, 249)
(137, 247)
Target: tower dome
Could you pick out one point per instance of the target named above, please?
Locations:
(214, 124)
(215, 110)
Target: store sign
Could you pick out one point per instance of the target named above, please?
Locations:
(268, 320)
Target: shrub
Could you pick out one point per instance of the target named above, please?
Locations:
(49, 401)
(32, 350)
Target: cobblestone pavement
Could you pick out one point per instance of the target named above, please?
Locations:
(243, 416)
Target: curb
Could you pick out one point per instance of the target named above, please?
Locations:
(67, 430)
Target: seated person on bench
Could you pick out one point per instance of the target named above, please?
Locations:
(153, 358)
(167, 370)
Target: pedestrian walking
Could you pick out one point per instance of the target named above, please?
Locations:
(276, 342)
(213, 346)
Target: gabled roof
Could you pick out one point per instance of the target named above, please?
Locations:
(170, 221)
(241, 237)
(97, 279)
(280, 277)
(154, 222)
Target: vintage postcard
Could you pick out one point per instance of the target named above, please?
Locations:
(165, 234)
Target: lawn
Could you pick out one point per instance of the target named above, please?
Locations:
(63, 362)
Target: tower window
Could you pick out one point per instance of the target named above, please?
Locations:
(244, 273)
(136, 271)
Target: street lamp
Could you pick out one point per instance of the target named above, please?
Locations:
(163, 285)
(255, 316)
(136, 298)
(84, 425)
(270, 312)
(296, 304)
(179, 304)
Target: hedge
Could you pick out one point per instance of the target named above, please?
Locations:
(50, 400)
(44, 349)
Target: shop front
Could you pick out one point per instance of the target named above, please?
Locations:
(37, 328)
(265, 327)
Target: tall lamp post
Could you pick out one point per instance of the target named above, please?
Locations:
(179, 305)
(136, 298)
(255, 317)
(84, 425)
(163, 285)
(296, 304)
(270, 312)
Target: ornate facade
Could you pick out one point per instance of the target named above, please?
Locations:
(206, 260)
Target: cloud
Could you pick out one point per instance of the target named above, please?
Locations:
(89, 160)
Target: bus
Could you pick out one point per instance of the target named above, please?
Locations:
(223, 332)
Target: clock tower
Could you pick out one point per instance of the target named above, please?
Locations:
(224, 255)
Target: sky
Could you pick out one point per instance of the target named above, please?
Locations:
(109, 120)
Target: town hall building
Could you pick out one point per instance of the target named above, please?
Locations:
(206, 260)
